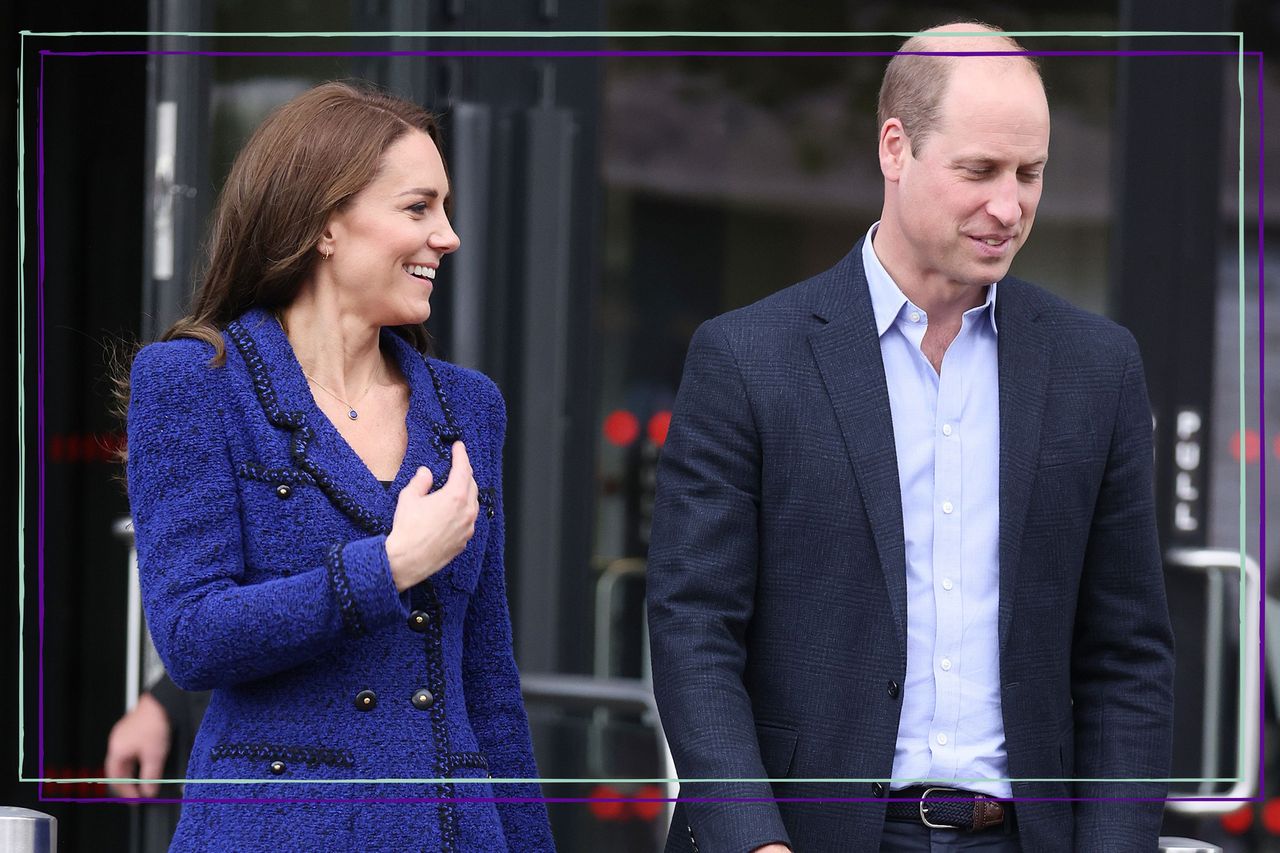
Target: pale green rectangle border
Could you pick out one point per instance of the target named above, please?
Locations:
(1239, 35)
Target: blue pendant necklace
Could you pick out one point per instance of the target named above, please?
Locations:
(351, 409)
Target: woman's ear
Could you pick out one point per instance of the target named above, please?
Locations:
(327, 244)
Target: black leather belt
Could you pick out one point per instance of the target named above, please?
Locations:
(948, 808)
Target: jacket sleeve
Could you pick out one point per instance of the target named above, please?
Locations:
(210, 628)
(701, 580)
(492, 684)
(1122, 657)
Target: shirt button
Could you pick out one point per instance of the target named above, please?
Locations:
(947, 507)
(947, 584)
(422, 700)
(366, 699)
(915, 316)
(283, 490)
(946, 429)
(942, 738)
(418, 620)
(277, 768)
(946, 664)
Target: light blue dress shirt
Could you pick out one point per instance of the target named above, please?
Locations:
(946, 429)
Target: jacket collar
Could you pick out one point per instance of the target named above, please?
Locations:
(846, 347)
(315, 446)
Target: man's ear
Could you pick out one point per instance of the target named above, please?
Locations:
(895, 147)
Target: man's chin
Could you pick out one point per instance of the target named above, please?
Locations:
(982, 274)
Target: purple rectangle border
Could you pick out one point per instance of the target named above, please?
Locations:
(40, 386)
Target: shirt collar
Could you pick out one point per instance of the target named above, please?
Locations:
(888, 300)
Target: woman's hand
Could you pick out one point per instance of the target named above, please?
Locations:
(429, 530)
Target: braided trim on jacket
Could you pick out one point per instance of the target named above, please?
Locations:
(349, 506)
(261, 381)
(443, 436)
(312, 756)
(262, 474)
(302, 432)
(443, 399)
(424, 597)
(488, 501)
(342, 590)
(452, 762)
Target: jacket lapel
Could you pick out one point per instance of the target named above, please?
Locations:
(1023, 366)
(315, 446)
(847, 351)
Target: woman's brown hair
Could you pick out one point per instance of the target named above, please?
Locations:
(307, 160)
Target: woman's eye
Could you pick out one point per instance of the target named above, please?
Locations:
(420, 207)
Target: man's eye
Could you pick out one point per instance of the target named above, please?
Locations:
(1030, 176)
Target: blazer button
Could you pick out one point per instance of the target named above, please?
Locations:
(418, 620)
(366, 699)
(877, 789)
(277, 767)
(893, 690)
(422, 700)
(283, 490)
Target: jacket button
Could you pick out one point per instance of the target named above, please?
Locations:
(877, 789)
(277, 767)
(893, 690)
(422, 700)
(366, 699)
(283, 490)
(418, 620)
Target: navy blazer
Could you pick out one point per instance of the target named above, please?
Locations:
(777, 575)
(261, 545)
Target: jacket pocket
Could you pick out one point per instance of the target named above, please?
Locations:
(270, 761)
(1067, 754)
(777, 748)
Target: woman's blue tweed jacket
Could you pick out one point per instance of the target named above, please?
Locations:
(264, 576)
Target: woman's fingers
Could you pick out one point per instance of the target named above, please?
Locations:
(421, 482)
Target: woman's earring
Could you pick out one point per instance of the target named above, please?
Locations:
(326, 255)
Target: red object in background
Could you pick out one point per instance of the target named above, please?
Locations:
(1252, 446)
(85, 447)
(74, 790)
(658, 426)
(621, 428)
(1271, 816)
(606, 803)
(648, 805)
(1238, 821)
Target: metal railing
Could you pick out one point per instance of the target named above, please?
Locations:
(1221, 567)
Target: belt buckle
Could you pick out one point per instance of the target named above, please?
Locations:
(924, 815)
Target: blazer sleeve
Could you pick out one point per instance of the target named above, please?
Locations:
(1122, 657)
(492, 683)
(701, 585)
(211, 628)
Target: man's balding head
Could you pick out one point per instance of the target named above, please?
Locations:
(913, 85)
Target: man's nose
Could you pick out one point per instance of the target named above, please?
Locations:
(1004, 203)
